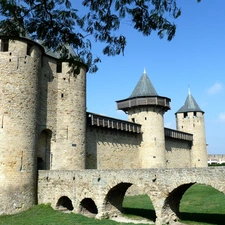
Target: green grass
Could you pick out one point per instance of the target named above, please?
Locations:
(45, 215)
(200, 205)
(139, 206)
(203, 205)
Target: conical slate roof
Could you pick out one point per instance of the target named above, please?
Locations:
(144, 94)
(190, 105)
(144, 87)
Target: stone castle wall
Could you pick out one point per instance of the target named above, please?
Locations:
(178, 153)
(112, 149)
(105, 146)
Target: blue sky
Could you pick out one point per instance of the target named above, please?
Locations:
(195, 58)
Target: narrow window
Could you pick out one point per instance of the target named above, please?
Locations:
(59, 67)
(29, 46)
(133, 120)
(185, 115)
(195, 114)
(5, 45)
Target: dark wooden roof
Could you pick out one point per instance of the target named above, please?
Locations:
(178, 134)
(158, 101)
(112, 123)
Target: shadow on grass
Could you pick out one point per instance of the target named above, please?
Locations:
(218, 219)
(145, 213)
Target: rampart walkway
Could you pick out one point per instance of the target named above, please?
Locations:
(101, 192)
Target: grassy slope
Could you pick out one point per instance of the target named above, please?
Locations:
(200, 205)
(45, 215)
(203, 204)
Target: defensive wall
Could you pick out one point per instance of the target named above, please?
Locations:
(119, 141)
(100, 193)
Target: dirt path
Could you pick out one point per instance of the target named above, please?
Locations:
(122, 219)
(129, 220)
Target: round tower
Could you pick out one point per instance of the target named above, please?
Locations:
(146, 107)
(190, 119)
(70, 145)
(20, 61)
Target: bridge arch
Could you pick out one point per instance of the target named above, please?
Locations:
(170, 210)
(171, 207)
(114, 198)
(64, 204)
(88, 207)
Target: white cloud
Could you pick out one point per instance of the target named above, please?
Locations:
(216, 88)
(222, 117)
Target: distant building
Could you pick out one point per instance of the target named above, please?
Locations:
(216, 159)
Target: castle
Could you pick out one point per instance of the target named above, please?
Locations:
(45, 126)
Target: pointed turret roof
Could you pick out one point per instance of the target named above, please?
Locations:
(144, 94)
(190, 105)
(144, 87)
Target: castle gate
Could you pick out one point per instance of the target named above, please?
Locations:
(101, 192)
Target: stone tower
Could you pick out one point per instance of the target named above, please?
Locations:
(146, 107)
(42, 119)
(68, 150)
(20, 64)
(190, 119)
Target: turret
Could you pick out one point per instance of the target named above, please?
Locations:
(146, 107)
(190, 119)
(68, 149)
(20, 62)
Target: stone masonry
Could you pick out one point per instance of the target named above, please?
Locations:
(45, 130)
(100, 193)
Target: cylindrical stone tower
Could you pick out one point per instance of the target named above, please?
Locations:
(20, 61)
(147, 108)
(70, 145)
(190, 119)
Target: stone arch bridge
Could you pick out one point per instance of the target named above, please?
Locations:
(101, 192)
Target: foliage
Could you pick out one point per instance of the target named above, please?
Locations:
(213, 164)
(58, 24)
